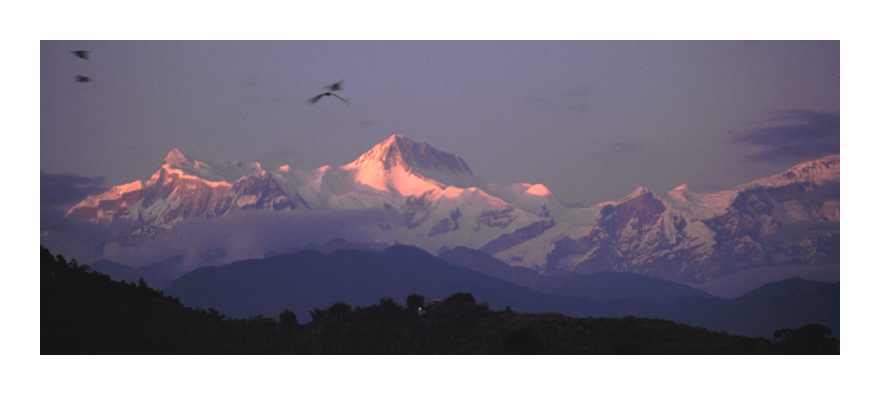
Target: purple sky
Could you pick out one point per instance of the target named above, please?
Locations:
(592, 120)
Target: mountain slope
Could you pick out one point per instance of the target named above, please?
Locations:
(792, 218)
(185, 188)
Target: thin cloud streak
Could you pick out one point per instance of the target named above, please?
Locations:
(68, 189)
(628, 147)
(284, 153)
(799, 134)
(573, 100)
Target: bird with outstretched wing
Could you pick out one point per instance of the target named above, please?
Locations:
(335, 87)
(316, 98)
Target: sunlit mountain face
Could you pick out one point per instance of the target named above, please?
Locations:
(407, 192)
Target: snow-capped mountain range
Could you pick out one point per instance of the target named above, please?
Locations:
(434, 201)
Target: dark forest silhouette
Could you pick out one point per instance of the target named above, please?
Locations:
(84, 312)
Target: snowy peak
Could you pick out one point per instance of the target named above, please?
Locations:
(422, 156)
(638, 192)
(103, 207)
(538, 190)
(211, 171)
(184, 187)
(817, 171)
(827, 168)
(410, 168)
(175, 158)
(532, 198)
(398, 150)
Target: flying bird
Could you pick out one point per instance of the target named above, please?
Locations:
(81, 54)
(335, 87)
(316, 98)
(81, 78)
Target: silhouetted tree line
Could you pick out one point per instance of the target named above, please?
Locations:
(810, 339)
(85, 312)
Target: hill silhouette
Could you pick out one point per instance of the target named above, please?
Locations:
(85, 312)
(158, 275)
(790, 303)
(597, 286)
(308, 279)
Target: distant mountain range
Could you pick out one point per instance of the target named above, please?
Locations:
(431, 199)
(597, 286)
(157, 275)
(308, 279)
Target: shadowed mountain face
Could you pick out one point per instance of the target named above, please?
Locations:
(307, 280)
(628, 236)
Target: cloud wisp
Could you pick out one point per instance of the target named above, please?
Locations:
(241, 234)
(628, 147)
(68, 189)
(801, 135)
(575, 100)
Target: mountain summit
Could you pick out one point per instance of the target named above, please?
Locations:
(183, 188)
(398, 150)
(392, 162)
(175, 158)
